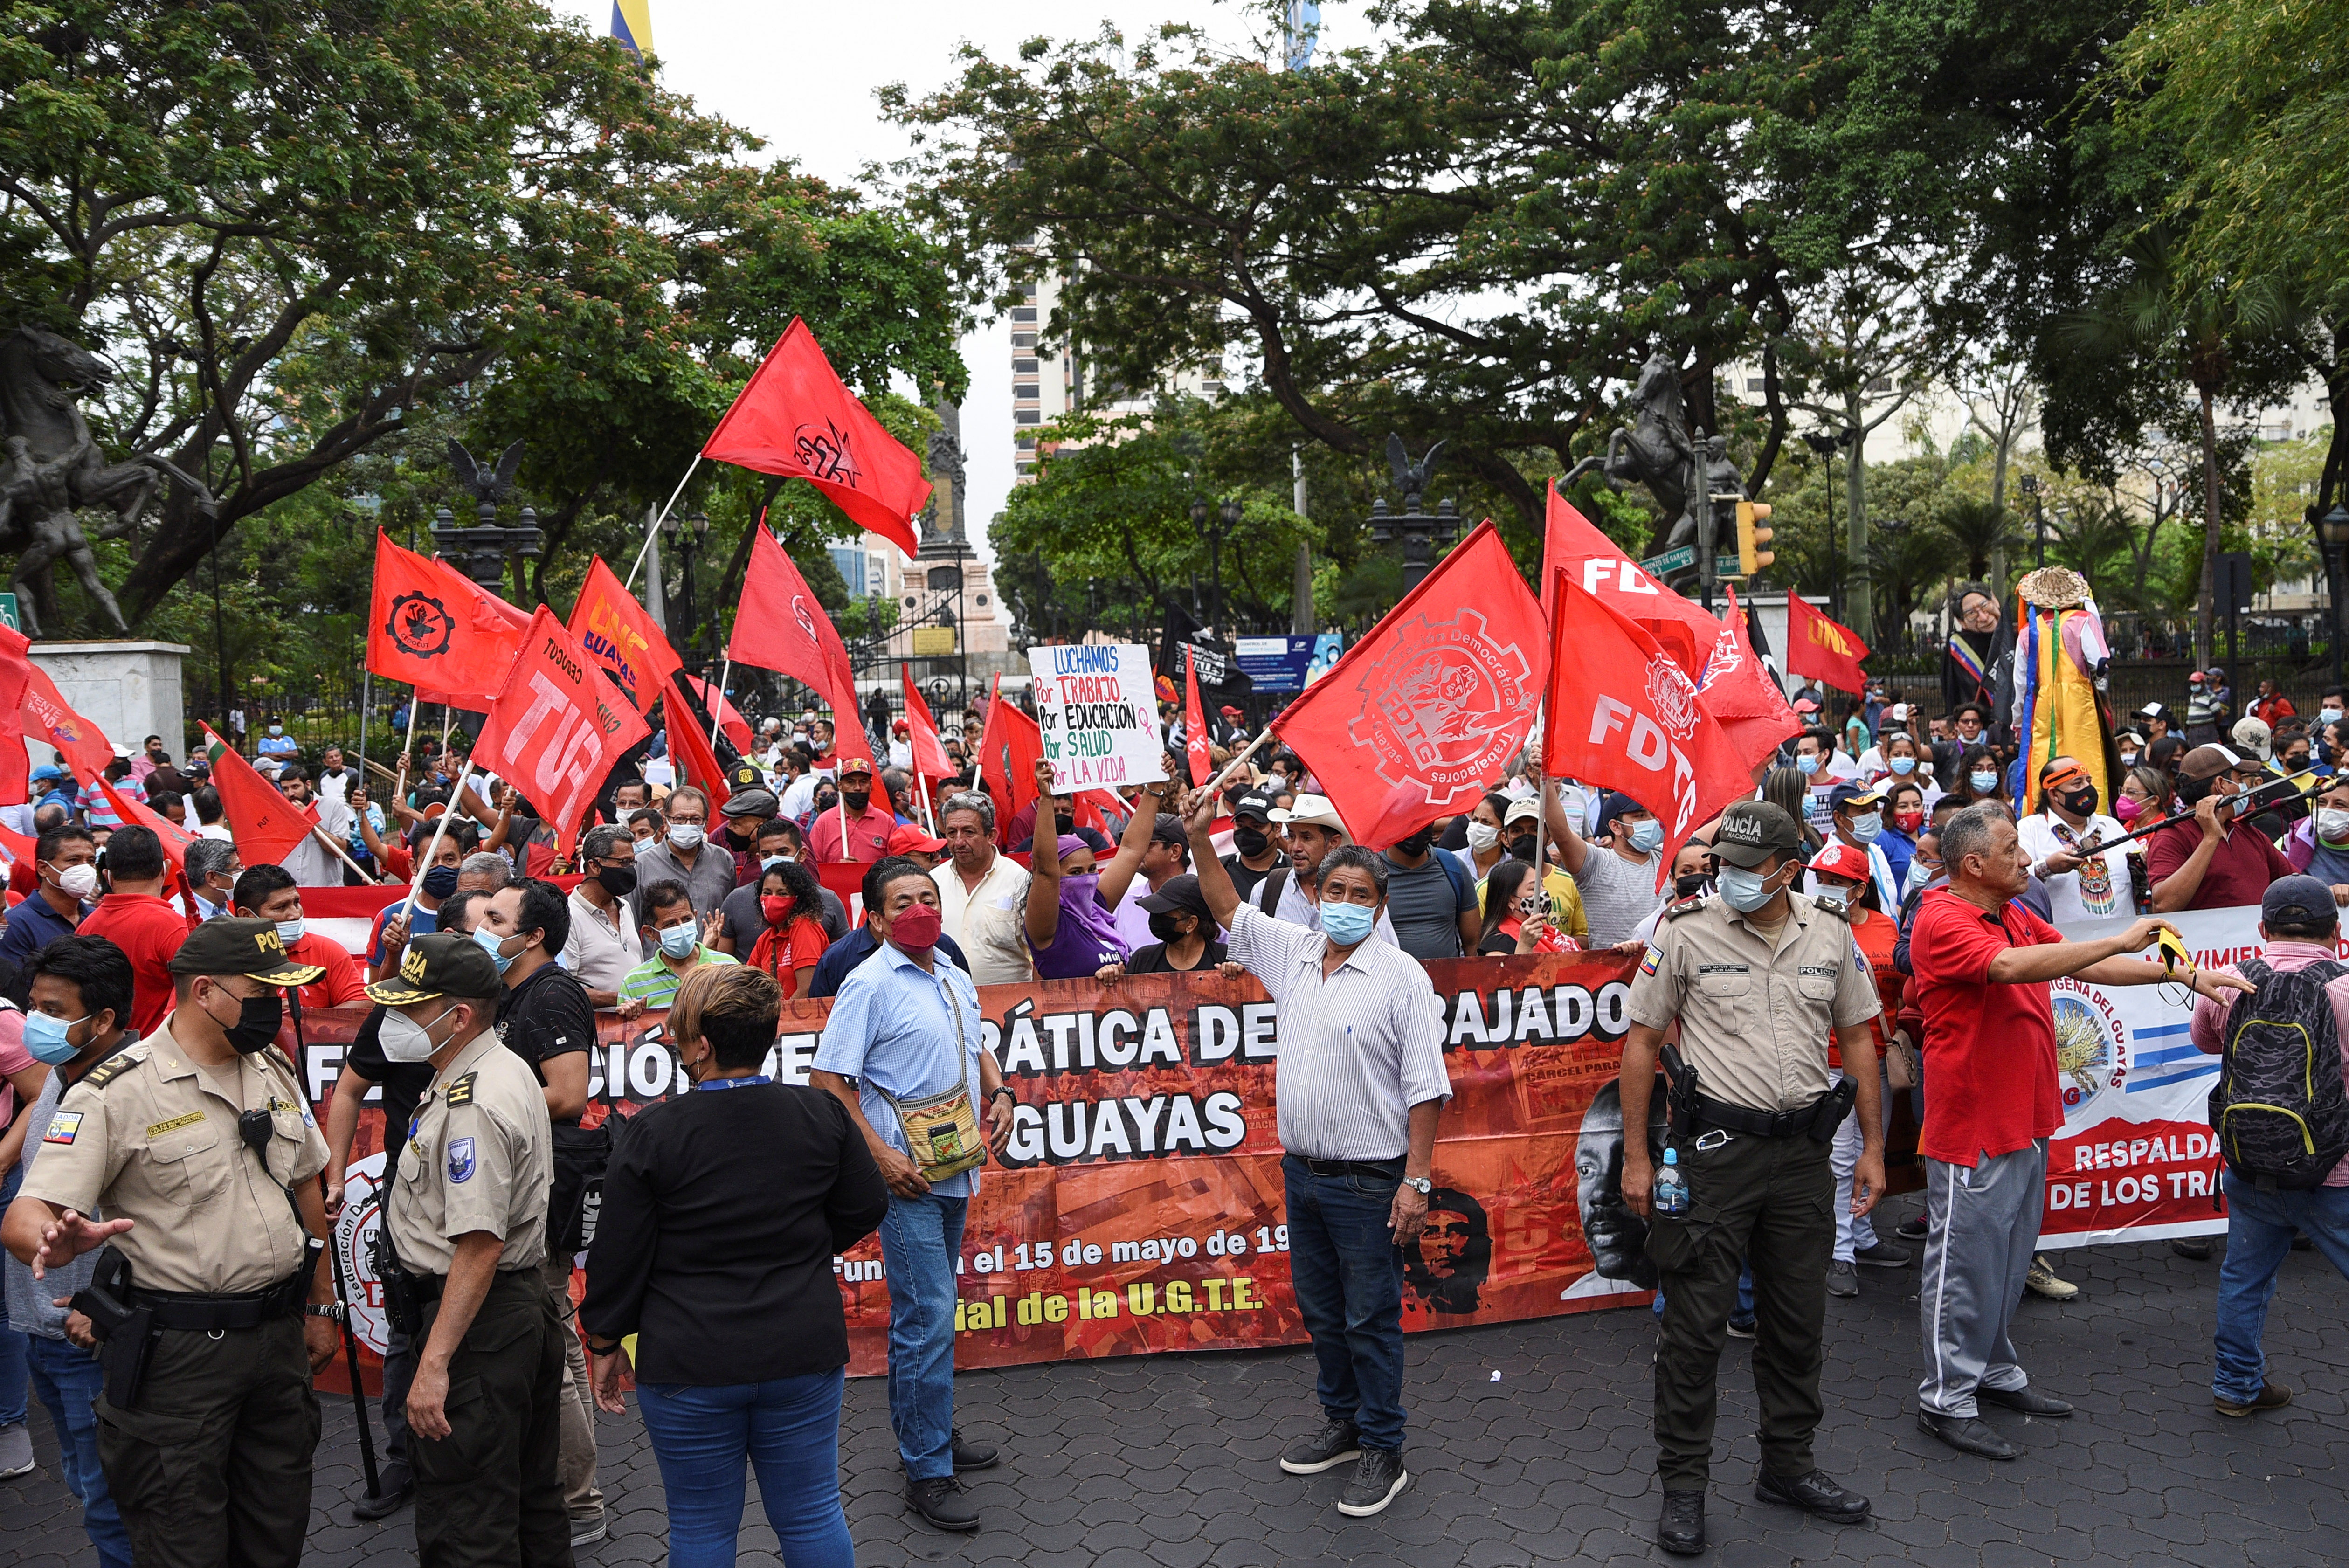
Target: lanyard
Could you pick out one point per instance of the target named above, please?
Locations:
(735, 1083)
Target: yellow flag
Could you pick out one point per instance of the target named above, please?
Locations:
(632, 23)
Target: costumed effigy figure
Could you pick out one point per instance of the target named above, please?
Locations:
(2060, 708)
(1977, 649)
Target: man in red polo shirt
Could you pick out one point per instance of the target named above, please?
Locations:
(2209, 861)
(867, 827)
(1982, 965)
(135, 917)
(269, 893)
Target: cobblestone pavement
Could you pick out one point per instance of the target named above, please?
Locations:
(1530, 1443)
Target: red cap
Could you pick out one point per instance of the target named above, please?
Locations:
(1841, 859)
(903, 725)
(1230, 712)
(907, 837)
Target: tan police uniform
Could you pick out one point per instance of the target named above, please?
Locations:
(210, 1461)
(1755, 1011)
(479, 1159)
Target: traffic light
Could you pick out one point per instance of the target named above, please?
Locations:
(1753, 552)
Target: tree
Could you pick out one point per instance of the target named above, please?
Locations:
(1981, 531)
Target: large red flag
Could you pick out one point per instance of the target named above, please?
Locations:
(16, 675)
(618, 634)
(689, 751)
(556, 728)
(1623, 715)
(1009, 749)
(929, 754)
(175, 838)
(438, 630)
(796, 419)
(1598, 566)
(1194, 723)
(781, 627)
(268, 827)
(1742, 694)
(730, 718)
(1818, 646)
(1421, 716)
(46, 715)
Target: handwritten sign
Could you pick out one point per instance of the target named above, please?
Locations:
(1099, 713)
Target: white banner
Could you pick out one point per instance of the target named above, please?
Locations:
(1097, 705)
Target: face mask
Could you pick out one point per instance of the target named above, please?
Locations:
(772, 861)
(289, 932)
(2080, 802)
(488, 942)
(1909, 821)
(406, 1040)
(78, 881)
(1416, 845)
(2128, 809)
(1808, 765)
(1984, 783)
(1647, 837)
(774, 909)
(256, 1022)
(2329, 715)
(618, 881)
(917, 927)
(440, 882)
(1865, 829)
(1253, 842)
(1903, 766)
(1691, 886)
(1483, 836)
(276, 730)
(1919, 873)
(2128, 759)
(856, 799)
(684, 836)
(44, 1037)
(2333, 827)
(1348, 924)
(1743, 890)
(679, 941)
(1522, 847)
(1166, 927)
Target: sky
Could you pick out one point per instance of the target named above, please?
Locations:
(803, 78)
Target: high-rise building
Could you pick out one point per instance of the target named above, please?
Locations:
(1050, 380)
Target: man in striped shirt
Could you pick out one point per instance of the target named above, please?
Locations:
(1359, 1081)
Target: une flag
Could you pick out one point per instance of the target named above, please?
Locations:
(268, 827)
(434, 628)
(1417, 717)
(1195, 722)
(1820, 647)
(556, 728)
(617, 634)
(929, 753)
(1623, 715)
(1742, 694)
(45, 714)
(1599, 567)
(781, 627)
(797, 420)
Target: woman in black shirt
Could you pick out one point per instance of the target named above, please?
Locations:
(723, 1209)
(1185, 933)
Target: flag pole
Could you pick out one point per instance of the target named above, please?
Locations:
(716, 699)
(923, 784)
(1233, 765)
(366, 701)
(653, 531)
(439, 831)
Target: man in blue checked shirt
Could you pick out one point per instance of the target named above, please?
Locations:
(904, 1027)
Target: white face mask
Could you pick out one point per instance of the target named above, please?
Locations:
(684, 836)
(289, 932)
(1483, 836)
(2333, 827)
(78, 881)
(406, 1040)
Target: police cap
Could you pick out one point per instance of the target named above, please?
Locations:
(247, 947)
(438, 964)
(1751, 831)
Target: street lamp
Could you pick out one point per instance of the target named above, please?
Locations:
(1824, 444)
(2333, 532)
(1227, 518)
(1415, 527)
(2029, 485)
(689, 532)
(1896, 529)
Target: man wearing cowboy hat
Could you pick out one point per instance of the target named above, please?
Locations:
(1291, 892)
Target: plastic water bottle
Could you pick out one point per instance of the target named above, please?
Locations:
(1671, 1187)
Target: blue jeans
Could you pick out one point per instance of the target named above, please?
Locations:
(1742, 1316)
(1348, 1274)
(13, 1340)
(68, 1381)
(789, 1428)
(921, 1243)
(2260, 1226)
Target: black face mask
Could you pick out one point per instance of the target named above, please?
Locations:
(618, 881)
(1250, 840)
(2080, 802)
(255, 1028)
(1522, 847)
(1691, 885)
(856, 799)
(1166, 928)
(441, 881)
(1416, 845)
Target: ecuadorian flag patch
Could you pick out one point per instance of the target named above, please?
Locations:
(1650, 959)
(63, 1126)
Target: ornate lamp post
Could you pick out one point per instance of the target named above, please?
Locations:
(2029, 485)
(1416, 528)
(484, 552)
(690, 533)
(1226, 517)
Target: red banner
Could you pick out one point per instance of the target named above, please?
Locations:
(1599, 568)
(1822, 648)
(16, 675)
(47, 716)
(268, 827)
(929, 754)
(1197, 750)
(430, 625)
(556, 728)
(781, 627)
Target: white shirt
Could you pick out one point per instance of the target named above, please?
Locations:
(800, 797)
(332, 787)
(990, 920)
(1297, 909)
(2088, 893)
(311, 864)
(601, 948)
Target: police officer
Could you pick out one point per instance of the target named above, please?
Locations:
(1754, 975)
(467, 1217)
(197, 1147)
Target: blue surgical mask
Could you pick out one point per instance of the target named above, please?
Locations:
(44, 1037)
(1808, 765)
(679, 941)
(1984, 783)
(1904, 766)
(1348, 924)
(1743, 890)
(1865, 829)
(1648, 837)
(1919, 873)
(490, 942)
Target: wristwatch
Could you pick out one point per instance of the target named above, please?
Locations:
(334, 1309)
(1418, 1184)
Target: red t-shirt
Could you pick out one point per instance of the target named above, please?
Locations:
(339, 983)
(2240, 871)
(868, 835)
(149, 931)
(1990, 1049)
(1875, 939)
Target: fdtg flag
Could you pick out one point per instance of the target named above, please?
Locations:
(1599, 567)
(556, 728)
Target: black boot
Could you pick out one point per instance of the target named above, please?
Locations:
(1681, 1527)
(942, 1501)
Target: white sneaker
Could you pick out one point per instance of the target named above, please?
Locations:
(15, 1451)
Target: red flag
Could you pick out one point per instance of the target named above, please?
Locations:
(18, 846)
(617, 634)
(433, 627)
(175, 838)
(730, 718)
(1418, 717)
(1622, 714)
(1598, 566)
(1009, 749)
(1741, 692)
(45, 714)
(781, 627)
(796, 419)
(1818, 646)
(1195, 722)
(556, 728)
(16, 675)
(929, 755)
(689, 751)
(268, 827)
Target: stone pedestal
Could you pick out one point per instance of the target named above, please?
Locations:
(129, 689)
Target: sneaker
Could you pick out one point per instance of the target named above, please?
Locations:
(2042, 1281)
(2195, 1247)
(587, 1531)
(15, 1451)
(1911, 1230)
(2272, 1397)
(1377, 1480)
(1883, 1255)
(1842, 1279)
(971, 1456)
(1333, 1445)
(943, 1503)
(1741, 1328)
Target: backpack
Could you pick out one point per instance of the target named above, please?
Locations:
(2280, 1110)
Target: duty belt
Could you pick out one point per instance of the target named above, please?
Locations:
(245, 1309)
(430, 1287)
(1826, 1112)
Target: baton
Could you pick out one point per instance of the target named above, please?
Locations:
(342, 1295)
(2239, 800)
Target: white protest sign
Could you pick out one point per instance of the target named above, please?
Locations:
(1098, 708)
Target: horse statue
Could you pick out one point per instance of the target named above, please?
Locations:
(1656, 451)
(54, 468)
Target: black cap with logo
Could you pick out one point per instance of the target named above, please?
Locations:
(1751, 831)
(438, 964)
(247, 947)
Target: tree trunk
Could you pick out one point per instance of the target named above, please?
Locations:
(2206, 639)
(1857, 602)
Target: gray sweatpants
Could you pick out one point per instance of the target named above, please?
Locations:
(1981, 1226)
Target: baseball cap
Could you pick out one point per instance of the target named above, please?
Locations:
(1840, 860)
(2298, 900)
(906, 837)
(1530, 811)
(1311, 811)
(2196, 678)
(1180, 895)
(749, 803)
(1751, 831)
(2252, 735)
(1611, 805)
(48, 770)
(2208, 762)
(855, 767)
(903, 726)
(2153, 710)
(1805, 705)
(1843, 795)
(247, 947)
(1228, 711)
(437, 964)
(1256, 803)
(1166, 828)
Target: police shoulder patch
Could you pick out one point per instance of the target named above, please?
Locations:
(462, 1091)
(107, 1071)
(1689, 905)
